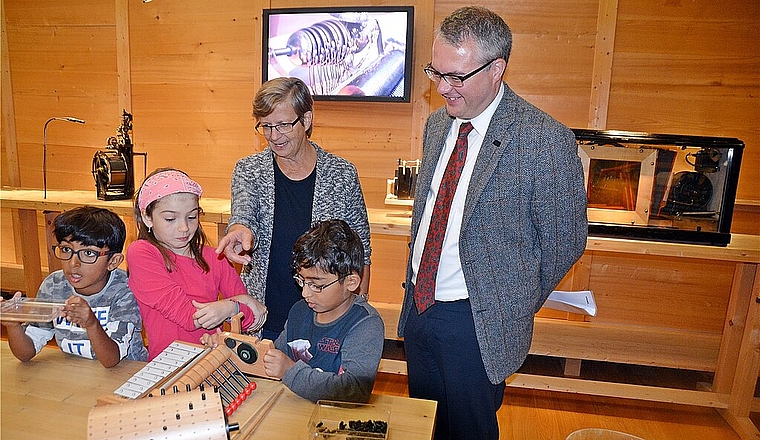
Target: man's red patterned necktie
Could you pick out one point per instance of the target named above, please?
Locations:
(424, 289)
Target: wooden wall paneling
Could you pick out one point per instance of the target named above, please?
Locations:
(62, 70)
(604, 49)
(57, 13)
(424, 23)
(194, 70)
(10, 174)
(628, 290)
(11, 220)
(36, 35)
(746, 218)
(690, 68)
(69, 166)
(123, 65)
(389, 257)
(372, 144)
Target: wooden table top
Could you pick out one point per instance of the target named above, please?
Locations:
(51, 397)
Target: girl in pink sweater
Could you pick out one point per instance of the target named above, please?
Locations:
(184, 290)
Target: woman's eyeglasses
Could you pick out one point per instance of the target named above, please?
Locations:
(283, 128)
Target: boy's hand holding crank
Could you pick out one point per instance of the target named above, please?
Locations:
(277, 363)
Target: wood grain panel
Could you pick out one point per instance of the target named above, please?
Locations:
(374, 190)
(58, 13)
(68, 166)
(193, 76)
(666, 292)
(63, 62)
(123, 62)
(389, 257)
(196, 66)
(746, 219)
(604, 48)
(680, 68)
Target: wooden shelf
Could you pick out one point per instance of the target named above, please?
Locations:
(627, 344)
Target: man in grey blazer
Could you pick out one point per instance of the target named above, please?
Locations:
(517, 224)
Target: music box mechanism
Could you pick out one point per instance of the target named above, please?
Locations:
(113, 168)
(187, 392)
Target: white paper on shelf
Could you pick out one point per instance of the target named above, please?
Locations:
(581, 301)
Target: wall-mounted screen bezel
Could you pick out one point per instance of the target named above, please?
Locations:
(346, 43)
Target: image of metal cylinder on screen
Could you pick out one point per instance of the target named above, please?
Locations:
(346, 52)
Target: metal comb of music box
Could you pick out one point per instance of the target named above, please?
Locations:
(660, 187)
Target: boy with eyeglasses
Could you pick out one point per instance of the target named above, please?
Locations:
(333, 339)
(99, 317)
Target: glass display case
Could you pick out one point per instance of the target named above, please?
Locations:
(660, 187)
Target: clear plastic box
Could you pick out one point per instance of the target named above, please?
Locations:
(29, 310)
(345, 420)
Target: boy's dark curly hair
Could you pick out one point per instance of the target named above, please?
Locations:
(91, 226)
(330, 245)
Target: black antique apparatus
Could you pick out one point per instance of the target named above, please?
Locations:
(113, 169)
(660, 187)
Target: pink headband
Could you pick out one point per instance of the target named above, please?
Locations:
(166, 183)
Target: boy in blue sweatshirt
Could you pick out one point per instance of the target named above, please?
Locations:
(333, 338)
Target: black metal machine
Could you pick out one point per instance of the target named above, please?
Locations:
(660, 187)
(113, 169)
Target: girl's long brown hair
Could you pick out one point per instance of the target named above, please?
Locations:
(197, 243)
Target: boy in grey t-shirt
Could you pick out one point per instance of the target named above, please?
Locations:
(100, 318)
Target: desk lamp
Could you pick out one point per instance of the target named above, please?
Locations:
(44, 148)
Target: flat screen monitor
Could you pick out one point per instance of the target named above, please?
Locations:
(342, 53)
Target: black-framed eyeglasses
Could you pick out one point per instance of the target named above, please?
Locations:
(316, 288)
(87, 256)
(450, 78)
(283, 128)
